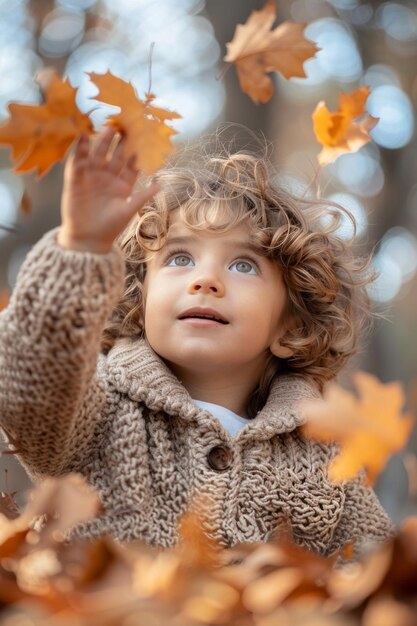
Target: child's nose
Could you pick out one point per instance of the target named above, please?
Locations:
(207, 284)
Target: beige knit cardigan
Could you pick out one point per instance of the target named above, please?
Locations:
(128, 425)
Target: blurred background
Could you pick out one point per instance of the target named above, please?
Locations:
(371, 43)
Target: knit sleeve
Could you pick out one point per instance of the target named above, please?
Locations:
(363, 522)
(50, 395)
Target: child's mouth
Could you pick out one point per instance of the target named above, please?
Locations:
(202, 321)
(203, 317)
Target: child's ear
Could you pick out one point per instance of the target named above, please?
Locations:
(282, 352)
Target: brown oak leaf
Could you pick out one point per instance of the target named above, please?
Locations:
(256, 50)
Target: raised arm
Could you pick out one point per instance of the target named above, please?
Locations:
(50, 397)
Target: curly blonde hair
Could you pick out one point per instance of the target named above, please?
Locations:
(325, 280)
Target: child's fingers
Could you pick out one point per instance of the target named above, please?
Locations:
(82, 147)
(118, 159)
(140, 198)
(78, 157)
(104, 143)
(130, 172)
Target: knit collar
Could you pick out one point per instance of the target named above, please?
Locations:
(134, 369)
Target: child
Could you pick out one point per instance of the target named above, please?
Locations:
(236, 303)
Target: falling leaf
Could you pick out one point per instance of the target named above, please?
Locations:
(25, 204)
(4, 298)
(40, 134)
(370, 428)
(338, 132)
(148, 137)
(256, 50)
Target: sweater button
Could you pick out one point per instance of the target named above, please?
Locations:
(220, 458)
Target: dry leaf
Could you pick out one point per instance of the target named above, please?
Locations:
(41, 134)
(8, 506)
(148, 138)
(198, 549)
(256, 50)
(4, 298)
(388, 612)
(25, 204)
(266, 593)
(338, 132)
(370, 428)
(64, 503)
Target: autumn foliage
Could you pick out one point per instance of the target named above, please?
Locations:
(370, 428)
(148, 137)
(46, 579)
(338, 132)
(40, 135)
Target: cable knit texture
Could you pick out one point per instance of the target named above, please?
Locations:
(127, 424)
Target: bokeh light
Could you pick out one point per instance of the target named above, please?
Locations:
(344, 4)
(398, 20)
(62, 31)
(380, 74)
(360, 172)
(339, 57)
(11, 190)
(182, 72)
(396, 118)
(396, 262)
(356, 208)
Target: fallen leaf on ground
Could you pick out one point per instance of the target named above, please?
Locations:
(256, 50)
(370, 428)
(148, 137)
(40, 134)
(338, 132)
(8, 506)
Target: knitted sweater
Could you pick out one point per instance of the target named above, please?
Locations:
(127, 424)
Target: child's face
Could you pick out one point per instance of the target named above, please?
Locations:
(203, 272)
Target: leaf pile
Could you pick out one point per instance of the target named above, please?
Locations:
(47, 580)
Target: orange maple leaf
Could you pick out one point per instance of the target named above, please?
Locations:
(40, 134)
(148, 138)
(257, 50)
(370, 428)
(337, 132)
(4, 298)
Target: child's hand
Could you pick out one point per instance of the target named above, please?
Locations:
(96, 202)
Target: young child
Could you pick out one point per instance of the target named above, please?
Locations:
(170, 365)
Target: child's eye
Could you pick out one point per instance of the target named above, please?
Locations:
(244, 267)
(179, 260)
